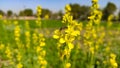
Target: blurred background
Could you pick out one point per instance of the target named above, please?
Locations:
(54, 9)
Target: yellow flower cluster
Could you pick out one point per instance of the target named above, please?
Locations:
(40, 38)
(19, 57)
(19, 65)
(68, 65)
(46, 17)
(67, 36)
(113, 61)
(17, 32)
(27, 34)
(110, 17)
(91, 33)
(67, 17)
(8, 52)
(0, 16)
(35, 37)
(96, 14)
(41, 52)
(2, 46)
(39, 11)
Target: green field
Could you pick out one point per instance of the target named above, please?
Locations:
(79, 57)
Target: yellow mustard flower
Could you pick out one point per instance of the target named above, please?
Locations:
(68, 65)
(62, 40)
(19, 65)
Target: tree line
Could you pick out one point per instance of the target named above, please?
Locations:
(79, 12)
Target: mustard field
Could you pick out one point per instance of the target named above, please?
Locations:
(65, 43)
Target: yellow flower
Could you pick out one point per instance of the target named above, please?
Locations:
(42, 43)
(107, 49)
(68, 65)
(71, 46)
(62, 40)
(1, 46)
(19, 57)
(0, 16)
(112, 55)
(27, 33)
(95, 0)
(38, 49)
(113, 63)
(19, 65)
(46, 17)
(40, 58)
(92, 50)
(43, 62)
(68, 8)
(16, 22)
(55, 36)
(8, 52)
(39, 10)
(43, 53)
(35, 38)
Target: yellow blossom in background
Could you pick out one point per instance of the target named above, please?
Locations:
(39, 11)
(112, 55)
(19, 57)
(2, 46)
(35, 38)
(17, 33)
(0, 16)
(92, 50)
(109, 20)
(113, 60)
(46, 17)
(8, 52)
(19, 65)
(27, 25)
(15, 22)
(38, 49)
(67, 8)
(68, 65)
(42, 43)
(27, 35)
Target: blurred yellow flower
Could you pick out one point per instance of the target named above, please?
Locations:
(62, 40)
(19, 65)
(55, 36)
(0, 16)
(2, 46)
(71, 46)
(46, 17)
(68, 65)
(68, 8)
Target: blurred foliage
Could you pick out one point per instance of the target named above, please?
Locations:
(80, 12)
(9, 13)
(1, 12)
(109, 9)
(26, 12)
(46, 12)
